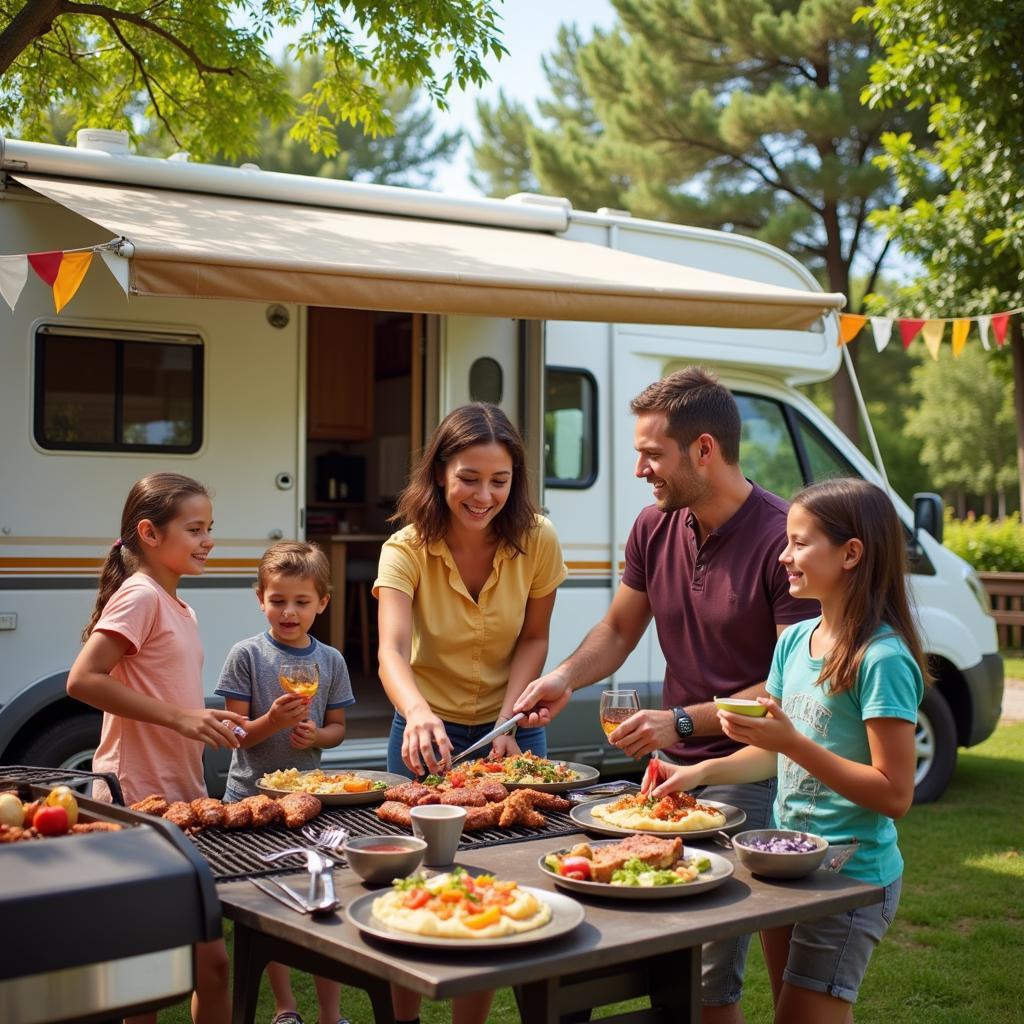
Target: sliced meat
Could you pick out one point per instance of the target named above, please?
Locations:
(394, 812)
(209, 812)
(652, 850)
(464, 798)
(298, 808)
(180, 813)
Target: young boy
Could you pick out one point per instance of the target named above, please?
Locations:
(286, 730)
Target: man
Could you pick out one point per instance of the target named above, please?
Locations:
(704, 562)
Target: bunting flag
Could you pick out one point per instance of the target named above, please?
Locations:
(61, 271)
(931, 329)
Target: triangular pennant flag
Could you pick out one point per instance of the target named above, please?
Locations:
(118, 266)
(999, 325)
(882, 328)
(13, 274)
(983, 323)
(46, 265)
(69, 277)
(849, 327)
(960, 329)
(909, 329)
(932, 333)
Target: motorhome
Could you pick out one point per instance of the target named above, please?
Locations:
(291, 341)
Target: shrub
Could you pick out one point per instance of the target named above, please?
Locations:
(987, 545)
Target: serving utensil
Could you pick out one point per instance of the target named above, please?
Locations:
(498, 730)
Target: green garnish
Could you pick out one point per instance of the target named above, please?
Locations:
(379, 785)
(433, 780)
(412, 882)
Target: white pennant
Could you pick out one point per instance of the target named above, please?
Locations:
(881, 326)
(983, 326)
(118, 266)
(13, 274)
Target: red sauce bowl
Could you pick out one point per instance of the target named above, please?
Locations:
(381, 859)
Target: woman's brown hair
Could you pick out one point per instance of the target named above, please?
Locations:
(422, 503)
(157, 498)
(877, 590)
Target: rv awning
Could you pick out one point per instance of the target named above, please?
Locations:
(211, 246)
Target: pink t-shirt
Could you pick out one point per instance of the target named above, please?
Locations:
(165, 661)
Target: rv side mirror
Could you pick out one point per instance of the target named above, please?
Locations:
(928, 514)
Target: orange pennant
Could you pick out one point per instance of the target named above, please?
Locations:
(849, 327)
(960, 329)
(69, 277)
(932, 333)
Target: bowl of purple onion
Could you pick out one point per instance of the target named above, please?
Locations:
(779, 853)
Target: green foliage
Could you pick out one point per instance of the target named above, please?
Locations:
(987, 545)
(202, 72)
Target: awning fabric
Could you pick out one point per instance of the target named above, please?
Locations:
(211, 246)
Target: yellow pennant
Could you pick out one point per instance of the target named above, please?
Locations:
(72, 270)
(960, 329)
(932, 333)
(849, 327)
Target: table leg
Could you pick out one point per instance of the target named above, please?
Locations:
(538, 1001)
(250, 960)
(336, 609)
(675, 985)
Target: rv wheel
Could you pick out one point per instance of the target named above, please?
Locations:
(935, 746)
(66, 743)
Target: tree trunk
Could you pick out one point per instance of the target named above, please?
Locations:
(31, 22)
(1017, 350)
(844, 401)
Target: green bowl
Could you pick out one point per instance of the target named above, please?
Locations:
(741, 706)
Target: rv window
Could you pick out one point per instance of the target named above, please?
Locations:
(570, 428)
(823, 460)
(100, 391)
(767, 453)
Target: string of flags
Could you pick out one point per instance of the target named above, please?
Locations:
(931, 330)
(62, 270)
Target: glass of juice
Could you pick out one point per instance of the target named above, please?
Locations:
(616, 707)
(301, 677)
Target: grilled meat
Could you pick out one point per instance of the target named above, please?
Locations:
(265, 811)
(209, 812)
(408, 793)
(237, 815)
(518, 810)
(494, 792)
(96, 826)
(652, 850)
(180, 813)
(394, 812)
(299, 808)
(152, 804)
(482, 817)
(548, 801)
(463, 798)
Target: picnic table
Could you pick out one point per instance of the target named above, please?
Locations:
(621, 950)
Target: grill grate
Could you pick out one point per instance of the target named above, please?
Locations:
(12, 774)
(234, 855)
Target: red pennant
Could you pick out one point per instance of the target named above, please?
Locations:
(46, 265)
(909, 329)
(999, 325)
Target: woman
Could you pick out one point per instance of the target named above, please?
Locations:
(466, 591)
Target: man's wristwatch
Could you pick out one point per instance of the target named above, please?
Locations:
(684, 723)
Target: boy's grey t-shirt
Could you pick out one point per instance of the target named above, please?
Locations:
(250, 673)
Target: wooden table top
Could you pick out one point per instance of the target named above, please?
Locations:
(611, 933)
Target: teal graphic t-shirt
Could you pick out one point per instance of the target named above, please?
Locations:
(889, 685)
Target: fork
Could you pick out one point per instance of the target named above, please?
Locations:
(327, 838)
(269, 858)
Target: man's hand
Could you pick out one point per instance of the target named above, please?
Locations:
(303, 736)
(644, 732)
(287, 711)
(543, 699)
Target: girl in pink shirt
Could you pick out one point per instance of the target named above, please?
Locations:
(141, 665)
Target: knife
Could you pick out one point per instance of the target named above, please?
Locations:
(497, 731)
(287, 897)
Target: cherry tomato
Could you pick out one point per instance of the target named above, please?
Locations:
(51, 821)
(457, 779)
(491, 767)
(417, 898)
(575, 867)
(63, 797)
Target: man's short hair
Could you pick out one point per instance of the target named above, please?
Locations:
(694, 403)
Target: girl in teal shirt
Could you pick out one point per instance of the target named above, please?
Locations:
(844, 691)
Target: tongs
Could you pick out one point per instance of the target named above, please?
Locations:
(498, 730)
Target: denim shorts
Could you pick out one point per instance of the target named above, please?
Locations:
(831, 955)
(533, 740)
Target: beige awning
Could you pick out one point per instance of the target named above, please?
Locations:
(212, 246)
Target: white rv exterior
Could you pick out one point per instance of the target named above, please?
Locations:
(567, 382)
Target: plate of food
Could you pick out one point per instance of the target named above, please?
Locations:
(522, 771)
(639, 867)
(675, 814)
(334, 789)
(456, 910)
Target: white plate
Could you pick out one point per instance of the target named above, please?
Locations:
(721, 871)
(371, 796)
(566, 914)
(584, 774)
(583, 816)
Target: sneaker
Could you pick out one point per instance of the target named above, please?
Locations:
(287, 1017)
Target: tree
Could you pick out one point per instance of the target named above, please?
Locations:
(736, 114)
(961, 63)
(202, 71)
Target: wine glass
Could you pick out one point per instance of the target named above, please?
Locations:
(616, 707)
(300, 677)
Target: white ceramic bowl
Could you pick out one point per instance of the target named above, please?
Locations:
(778, 865)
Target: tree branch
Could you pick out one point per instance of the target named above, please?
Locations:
(32, 22)
(877, 268)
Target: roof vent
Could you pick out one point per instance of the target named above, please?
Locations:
(181, 157)
(611, 211)
(103, 140)
(536, 199)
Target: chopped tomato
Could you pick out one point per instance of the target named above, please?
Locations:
(417, 898)
(575, 867)
(487, 917)
(490, 766)
(457, 779)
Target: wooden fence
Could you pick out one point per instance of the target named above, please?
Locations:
(1006, 591)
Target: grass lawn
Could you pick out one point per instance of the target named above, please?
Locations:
(955, 954)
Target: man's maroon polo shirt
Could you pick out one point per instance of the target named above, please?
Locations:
(716, 608)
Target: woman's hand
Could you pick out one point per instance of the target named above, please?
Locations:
(774, 732)
(205, 724)
(672, 778)
(425, 742)
(505, 746)
(303, 736)
(287, 711)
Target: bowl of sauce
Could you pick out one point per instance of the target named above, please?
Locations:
(381, 859)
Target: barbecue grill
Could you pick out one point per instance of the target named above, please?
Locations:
(99, 925)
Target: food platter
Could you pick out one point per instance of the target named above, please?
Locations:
(582, 814)
(584, 774)
(721, 871)
(370, 796)
(566, 914)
